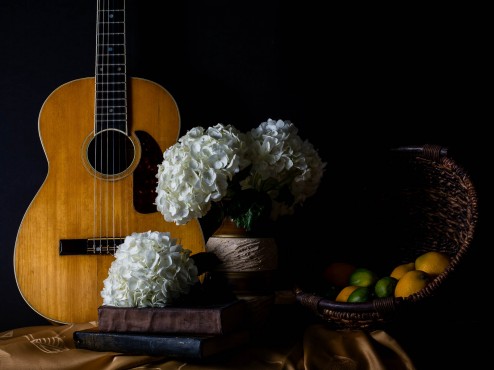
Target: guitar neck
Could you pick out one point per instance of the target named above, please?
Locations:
(111, 73)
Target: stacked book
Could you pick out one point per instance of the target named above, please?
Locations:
(192, 332)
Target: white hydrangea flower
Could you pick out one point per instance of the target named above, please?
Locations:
(281, 158)
(150, 270)
(196, 171)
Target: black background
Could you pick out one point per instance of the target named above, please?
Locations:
(354, 81)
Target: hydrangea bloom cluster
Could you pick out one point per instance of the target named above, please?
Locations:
(281, 160)
(267, 170)
(150, 270)
(196, 171)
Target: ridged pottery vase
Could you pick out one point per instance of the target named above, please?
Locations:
(248, 264)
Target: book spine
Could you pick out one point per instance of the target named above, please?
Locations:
(152, 321)
(173, 346)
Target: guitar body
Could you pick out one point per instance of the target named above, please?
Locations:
(74, 204)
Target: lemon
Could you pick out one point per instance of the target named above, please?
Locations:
(400, 270)
(362, 277)
(338, 273)
(412, 282)
(385, 286)
(345, 293)
(361, 294)
(434, 263)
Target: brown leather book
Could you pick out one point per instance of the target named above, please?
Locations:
(191, 346)
(210, 319)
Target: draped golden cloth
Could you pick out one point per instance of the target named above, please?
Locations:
(318, 348)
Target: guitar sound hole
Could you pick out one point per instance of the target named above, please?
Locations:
(110, 152)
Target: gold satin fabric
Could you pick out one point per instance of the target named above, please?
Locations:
(319, 348)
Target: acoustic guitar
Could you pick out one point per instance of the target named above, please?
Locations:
(103, 138)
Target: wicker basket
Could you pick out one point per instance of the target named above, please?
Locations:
(428, 202)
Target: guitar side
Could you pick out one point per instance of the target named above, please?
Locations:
(66, 288)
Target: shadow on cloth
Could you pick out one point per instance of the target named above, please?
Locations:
(326, 349)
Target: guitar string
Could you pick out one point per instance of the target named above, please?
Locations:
(97, 119)
(110, 120)
(121, 58)
(102, 119)
(104, 156)
(104, 122)
(123, 78)
(104, 148)
(112, 21)
(110, 114)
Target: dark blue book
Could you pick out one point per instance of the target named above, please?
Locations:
(179, 346)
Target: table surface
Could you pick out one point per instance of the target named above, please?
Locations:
(292, 338)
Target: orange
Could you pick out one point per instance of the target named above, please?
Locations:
(412, 282)
(434, 263)
(338, 273)
(345, 293)
(400, 270)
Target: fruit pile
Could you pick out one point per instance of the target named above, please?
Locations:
(350, 283)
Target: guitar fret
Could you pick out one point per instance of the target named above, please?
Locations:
(102, 34)
(115, 60)
(111, 17)
(112, 117)
(118, 50)
(114, 29)
(115, 102)
(110, 83)
(111, 28)
(111, 54)
(114, 69)
(111, 77)
(102, 90)
(110, 87)
(116, 92)
(112, 108)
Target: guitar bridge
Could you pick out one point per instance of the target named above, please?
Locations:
(96, 246)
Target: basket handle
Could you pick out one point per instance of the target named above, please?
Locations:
(427, 151)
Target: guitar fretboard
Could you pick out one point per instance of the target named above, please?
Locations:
(111, 80)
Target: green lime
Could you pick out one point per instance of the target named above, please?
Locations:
(385, 286)
(361, 294)
(363, 277)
